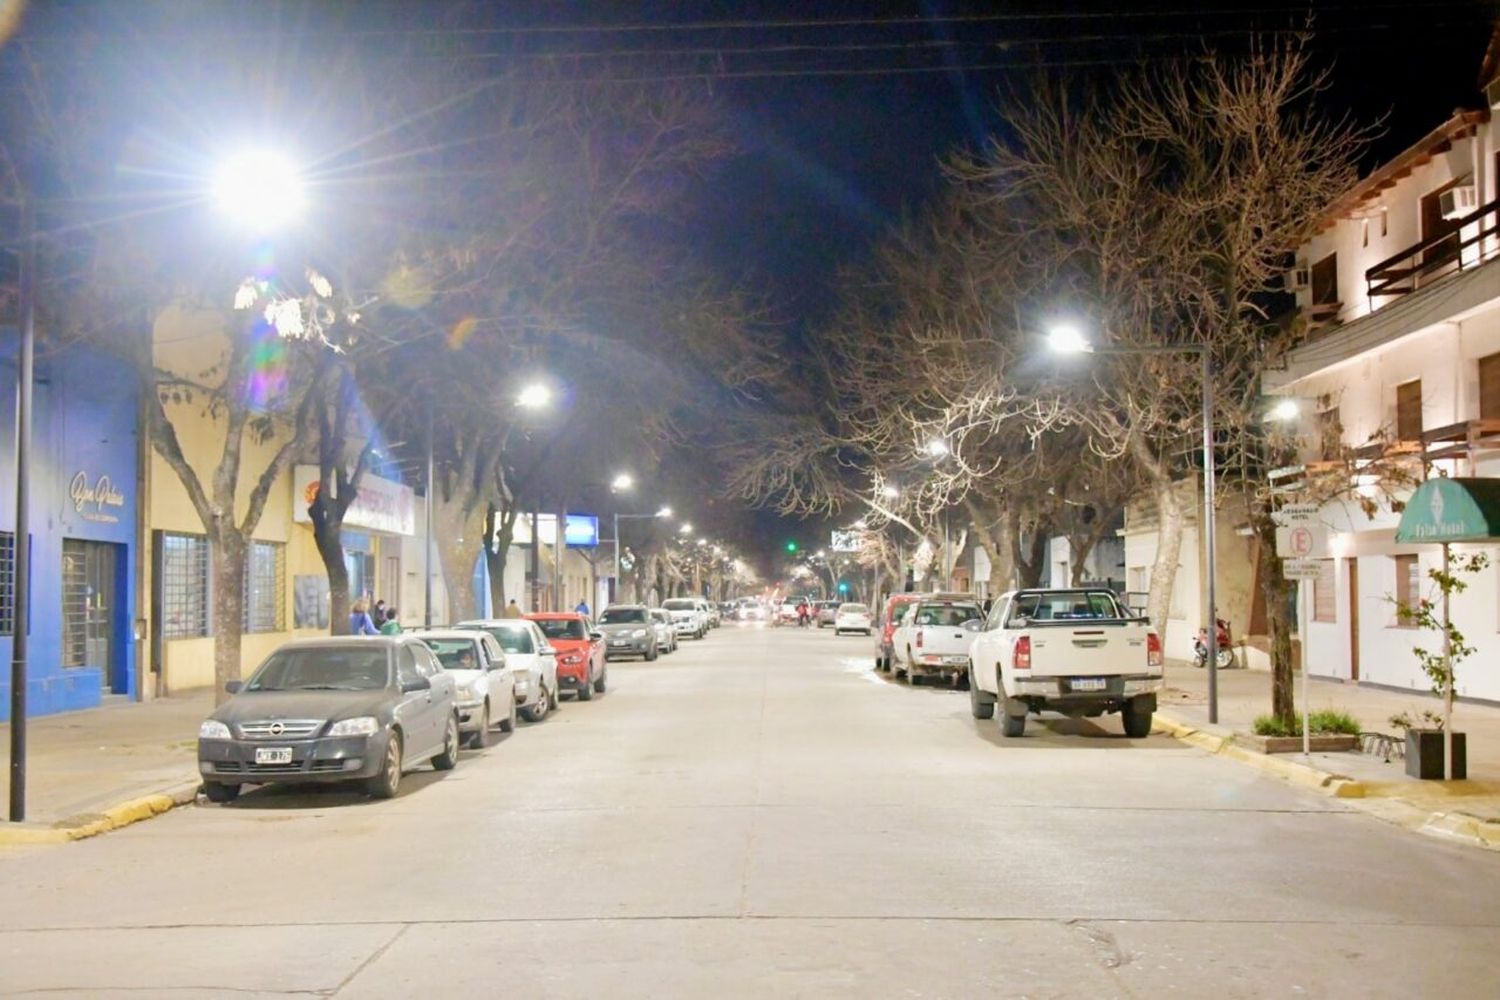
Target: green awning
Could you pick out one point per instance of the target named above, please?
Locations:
(1452, 510)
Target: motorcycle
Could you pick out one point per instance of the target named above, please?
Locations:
(1223, 651)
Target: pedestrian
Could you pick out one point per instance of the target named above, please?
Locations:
(802, 614)
(513, 610)
(359, 620)
(583, 608)
(377, 613)
(390, 626)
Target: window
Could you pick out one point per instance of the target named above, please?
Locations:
(88, 602)
(1330, 430)
(7, 583)
(1409, 411)
(184, 585)
(265, 594)
(406, 666)
(1325, 605)
(1408, 584)
(1325, 281)
(1489, 387)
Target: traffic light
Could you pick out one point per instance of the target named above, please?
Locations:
(843, 587)
(791, 547)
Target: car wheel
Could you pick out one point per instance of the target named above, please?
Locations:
(508, 724)
(447, 760)
(981, 703)
(1013, 725)
(651, 654)
(601, 683)
(481, 739)
(538, 711)
(1137, 724)
(552, 698)
(386, 783)
(586, 692)
(220, 793)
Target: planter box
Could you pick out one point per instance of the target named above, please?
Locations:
(1331, 743)
(1424, 755)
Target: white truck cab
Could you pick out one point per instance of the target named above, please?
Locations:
(1071, 650)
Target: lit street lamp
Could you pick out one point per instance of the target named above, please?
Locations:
(261, 190)
(1069, 340)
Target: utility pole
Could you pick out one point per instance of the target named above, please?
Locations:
(21, 539)
(427, 551)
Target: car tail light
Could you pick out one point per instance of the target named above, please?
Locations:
(1153, 649)
(1021, 655)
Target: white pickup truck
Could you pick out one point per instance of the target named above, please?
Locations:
(1074, 651)
(932, 640)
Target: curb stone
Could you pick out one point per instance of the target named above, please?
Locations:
(1453, 826)
(121, 814)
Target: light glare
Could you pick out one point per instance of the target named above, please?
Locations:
(1065, 339)
(260, 190)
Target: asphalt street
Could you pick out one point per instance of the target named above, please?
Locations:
(761, 815)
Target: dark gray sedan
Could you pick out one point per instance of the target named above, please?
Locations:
(336, 709)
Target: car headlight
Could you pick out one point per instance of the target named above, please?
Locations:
(639, 633)
(573, 658)
(463, 692)
(213, 729)
(365, 725)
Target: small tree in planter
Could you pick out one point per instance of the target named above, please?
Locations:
(1433, 615)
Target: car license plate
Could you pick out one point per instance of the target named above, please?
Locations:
(956, 661)
(1088, 684)
(273, 755)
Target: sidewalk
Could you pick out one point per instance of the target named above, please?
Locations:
(1385, 790)
(91, 771)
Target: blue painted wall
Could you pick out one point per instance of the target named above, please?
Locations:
(83, 420)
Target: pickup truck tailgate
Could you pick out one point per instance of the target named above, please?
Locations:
(942, 645)
(1089, 649)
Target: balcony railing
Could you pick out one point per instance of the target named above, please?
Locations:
(1452, 251)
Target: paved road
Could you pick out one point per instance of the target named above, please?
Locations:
(760, 815)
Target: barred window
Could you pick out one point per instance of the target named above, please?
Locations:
(265, 593)
(1408, 586)
(184, 585)
(7, 583)
(1325, 603)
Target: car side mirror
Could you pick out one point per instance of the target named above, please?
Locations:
(973, 625)
(1019, 621)
(596, 635)
(548, 651)
(234, 687)
(416, 684)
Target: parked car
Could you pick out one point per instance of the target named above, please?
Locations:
(895, 606)
(931, 640)
(338, 709)
(628, 631)
(825, 612)
(1075, 651)
(487, 694)
(711, 613)
(786, 611)
(581, 666)
(532, 660)
(666, 632)
(852, 617)
(688, 616)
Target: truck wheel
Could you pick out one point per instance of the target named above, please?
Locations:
(1013, 725)
(981, 703)
(1137, 724)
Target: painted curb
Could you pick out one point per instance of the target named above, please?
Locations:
(120, 815)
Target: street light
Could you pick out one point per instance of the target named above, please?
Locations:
(622, 482)
(686, 529)
(260, 190)
(534, 396)
(1067, 339)
(662, 513)
(937, 448)
(1287, 409)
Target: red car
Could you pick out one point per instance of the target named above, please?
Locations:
(885, 626)
(580, 651)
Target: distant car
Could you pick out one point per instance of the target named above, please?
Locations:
(487, 694)
(532, 659)
(786, 611)
(852, 618)
(895, 606)
(581, 666)
(932, 639)
(688, 616)
(711, 612)
(338, 709)
(628, 631)
(666, 632)
(826, 612)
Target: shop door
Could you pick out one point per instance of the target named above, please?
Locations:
(91, 608)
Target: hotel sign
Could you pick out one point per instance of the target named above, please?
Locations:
(1452, 510)
(382, 505)
(96, 500)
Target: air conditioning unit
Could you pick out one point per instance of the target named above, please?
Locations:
(1457, 202)
(1298, 279)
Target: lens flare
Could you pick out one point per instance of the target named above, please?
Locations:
(267, 380)
(461, 332)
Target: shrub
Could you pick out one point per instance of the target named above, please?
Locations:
(1323, 721)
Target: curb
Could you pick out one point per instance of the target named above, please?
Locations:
(1451, 826)
(121, 814)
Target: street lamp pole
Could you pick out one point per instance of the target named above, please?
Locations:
(427, 529)
(20, 540)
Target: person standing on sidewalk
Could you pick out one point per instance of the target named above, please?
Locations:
(513, 610)
(359, 620)
(390, 626)
(582, 609)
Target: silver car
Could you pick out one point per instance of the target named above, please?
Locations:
(666, 632)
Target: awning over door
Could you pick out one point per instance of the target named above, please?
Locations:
(1452, 510)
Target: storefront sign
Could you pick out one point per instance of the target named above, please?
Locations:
(93, 500)
(1452, 510)
(382, 505)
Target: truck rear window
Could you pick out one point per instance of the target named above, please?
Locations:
(946, 614)
(1066, 606)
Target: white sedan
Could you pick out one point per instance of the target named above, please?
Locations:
(484, 683)
(852, 618)
(532, 659)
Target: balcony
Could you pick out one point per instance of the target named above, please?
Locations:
(1474, 241)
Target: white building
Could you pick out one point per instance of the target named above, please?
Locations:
(1401, 287)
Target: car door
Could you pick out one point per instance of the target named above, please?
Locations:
(546, 658)
(414, 712)
(985, 652)
(502, 680)
(444, 693)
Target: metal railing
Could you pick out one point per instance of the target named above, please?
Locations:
(1438, 255)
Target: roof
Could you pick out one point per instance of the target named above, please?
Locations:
(443, 633)
(490, 623)
(554, 615)
(1462, 125)
(342, 640)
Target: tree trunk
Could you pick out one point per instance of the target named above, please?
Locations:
(458, 537)
(228, 554)
(1029, 555)
(328, 526)
(1275, 589)
(1169, 518)
(500, 531)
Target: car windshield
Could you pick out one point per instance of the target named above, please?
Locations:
(455, 654)
(1067, 605)
(324, 668)
(512, 637)
(946, 614)
(853, 609)
(562, 628)
(623, 616)
(680, 605)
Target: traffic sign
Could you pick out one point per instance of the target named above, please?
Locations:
(1303, 541)
(1301, 569)
(1296, 513)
